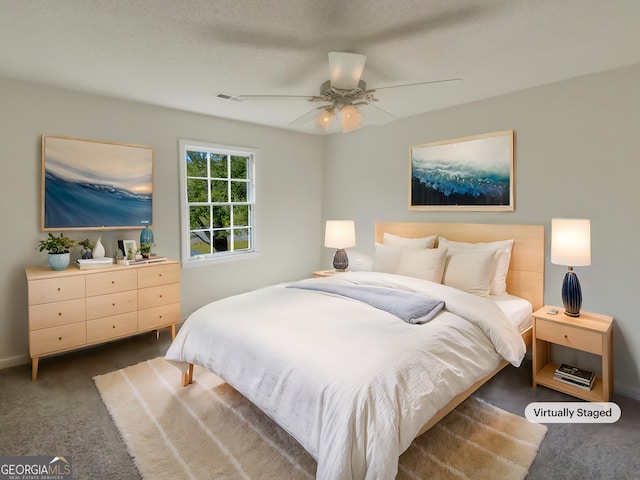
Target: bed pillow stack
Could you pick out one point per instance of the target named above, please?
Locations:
(477, 268)
(481, 268)
(412, 257)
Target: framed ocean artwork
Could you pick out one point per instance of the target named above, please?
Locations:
(92, 184)
(465, 174)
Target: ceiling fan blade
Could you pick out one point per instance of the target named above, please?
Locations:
(309, 116)
(374, 114)
(417, 84)
(256, 38)
(421, 24)
(346, 69)
(277, 97)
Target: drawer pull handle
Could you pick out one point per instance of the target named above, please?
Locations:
(160, 295)
(159, 274)
(113, 282)
(113, 326)
(566, 336)
(59, 314)
(59, 289)
(59, 338)
(113, 304)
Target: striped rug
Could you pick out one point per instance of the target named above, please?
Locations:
(209, 431)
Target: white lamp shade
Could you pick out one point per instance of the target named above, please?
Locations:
(340, 234)
(571, 242)
(346, 69)
(325, 118)
(350, 119)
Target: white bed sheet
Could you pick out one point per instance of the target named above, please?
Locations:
(351, 383)
(517, 310)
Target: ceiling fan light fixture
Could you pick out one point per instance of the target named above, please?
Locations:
(350, 119)
(346, 69)
(325, 118)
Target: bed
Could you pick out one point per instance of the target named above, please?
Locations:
(353, 383)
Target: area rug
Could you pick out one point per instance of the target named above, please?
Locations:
(210, 431)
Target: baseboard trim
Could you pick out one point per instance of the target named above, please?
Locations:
(627, 391)
(14, 361)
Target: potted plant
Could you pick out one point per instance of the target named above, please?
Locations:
(145, 249)
(87, 249)
(58, 248)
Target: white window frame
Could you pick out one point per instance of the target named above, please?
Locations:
(185, 237)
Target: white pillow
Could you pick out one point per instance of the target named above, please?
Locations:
(470, 270)
(502, 258)
(424, 242)
(386, 258)
(424, 263)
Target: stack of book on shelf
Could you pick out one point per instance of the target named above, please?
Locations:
(574, 376)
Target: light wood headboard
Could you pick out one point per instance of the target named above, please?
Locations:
(526, 270)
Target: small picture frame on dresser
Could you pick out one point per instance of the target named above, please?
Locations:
(129, 248)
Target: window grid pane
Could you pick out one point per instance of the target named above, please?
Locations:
(219, 195)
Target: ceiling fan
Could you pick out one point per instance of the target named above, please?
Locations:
(344, 96)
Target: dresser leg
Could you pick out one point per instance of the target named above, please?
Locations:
(34, 368)
(173, 331)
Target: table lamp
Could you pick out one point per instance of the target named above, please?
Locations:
(571, 246)
(340, 234)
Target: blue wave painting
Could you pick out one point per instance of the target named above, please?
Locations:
(78, 205)
(472, 173)
(91, 184)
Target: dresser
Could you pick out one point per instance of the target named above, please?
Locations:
(75, 308)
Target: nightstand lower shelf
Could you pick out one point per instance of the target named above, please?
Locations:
(545, 378)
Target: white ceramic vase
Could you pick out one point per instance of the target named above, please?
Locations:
(98, 250)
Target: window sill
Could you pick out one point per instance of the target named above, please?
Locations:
(204, 261)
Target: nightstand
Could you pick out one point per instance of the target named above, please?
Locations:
(590, 332)
(327, 273)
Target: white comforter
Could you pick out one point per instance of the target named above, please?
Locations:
(353, 384)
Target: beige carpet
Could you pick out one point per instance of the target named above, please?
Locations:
(209, 431)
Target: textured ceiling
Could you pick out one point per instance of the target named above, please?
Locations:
(180, 53)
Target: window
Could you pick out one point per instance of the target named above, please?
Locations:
(218, 202)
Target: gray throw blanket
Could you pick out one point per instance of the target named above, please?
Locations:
(411, 307)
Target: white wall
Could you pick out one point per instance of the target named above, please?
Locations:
(578, 155)
(289, 171)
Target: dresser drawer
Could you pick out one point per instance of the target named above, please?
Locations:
(49, 340)
(112, 304)
(47, 315)
(158, 317)
(112, 327)
(569, 336)
(150, 276)
(156, 296)
(56, 289)
(111, 282)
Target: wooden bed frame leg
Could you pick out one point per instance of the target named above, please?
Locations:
(187, 377)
